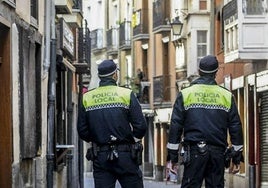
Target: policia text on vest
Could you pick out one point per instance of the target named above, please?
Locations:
(104, 97)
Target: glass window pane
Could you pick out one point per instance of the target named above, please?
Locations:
(201, 50)
(254, 7)
(201, 36)
(203, 5)
(34, 8)
(201, 44)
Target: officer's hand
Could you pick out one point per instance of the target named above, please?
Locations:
(237, 157)
(236, 168)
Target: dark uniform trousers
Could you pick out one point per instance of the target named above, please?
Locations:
(124, 168)
(208, 165)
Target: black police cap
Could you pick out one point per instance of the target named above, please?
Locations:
(209, 64)
(107, 68)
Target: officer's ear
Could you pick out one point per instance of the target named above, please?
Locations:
(115, 76)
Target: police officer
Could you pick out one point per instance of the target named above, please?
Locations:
(203, 113)
(111, 118)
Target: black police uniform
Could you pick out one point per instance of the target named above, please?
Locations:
(203, 114)
(111, 118)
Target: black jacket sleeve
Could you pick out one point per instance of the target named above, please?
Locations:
(177, 121)
(82, 125)
(137, 119)
(176, 129)
(235, 126)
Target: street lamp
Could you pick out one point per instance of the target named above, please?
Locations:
(176, 26)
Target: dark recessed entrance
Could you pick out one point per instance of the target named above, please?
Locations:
(5, 108)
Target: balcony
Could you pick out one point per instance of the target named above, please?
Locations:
(140, 26)
(77, 5)
(161, 11)
(84, 45)
(143, 93)
(75, 18)
(112, 41)
(124, 35)
(96, 40)
(63, 6)
(245, 31)
(162, 90)
(84, 50)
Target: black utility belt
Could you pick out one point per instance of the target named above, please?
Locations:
(118, 147)
(112, 150)
(204, 145)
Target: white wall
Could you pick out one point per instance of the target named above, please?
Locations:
(195, 23)
(94, 13)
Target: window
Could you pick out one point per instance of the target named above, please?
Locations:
(34, 12)
(201, 44)
(12, 3)
(30, 91)
(254, 7)
(202, 4)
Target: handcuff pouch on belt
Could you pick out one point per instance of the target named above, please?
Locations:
(136, 152)
(113, 153)
(202, 147)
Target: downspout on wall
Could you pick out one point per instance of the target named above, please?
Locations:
(69, 157)
(51, 66)
(212, 27)
(46, 63)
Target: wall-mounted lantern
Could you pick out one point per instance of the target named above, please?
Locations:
(176, 26)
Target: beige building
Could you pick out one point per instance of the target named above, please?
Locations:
(154, 52)
(23, 147)
(42, 59)
(169, 61)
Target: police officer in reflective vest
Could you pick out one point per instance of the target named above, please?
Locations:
(203, 114)
(112, 120)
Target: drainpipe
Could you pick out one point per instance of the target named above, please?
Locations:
(80, 142)
(212, 27)
(69, 156)
(51, 97)
(47, 39)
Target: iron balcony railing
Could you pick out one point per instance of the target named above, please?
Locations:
(124, 35)
(112, 39)
(96, 39)
(141, 25)
(161, 11)
(84, 45)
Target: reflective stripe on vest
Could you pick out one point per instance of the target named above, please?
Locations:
(107, 97)
(206, 96)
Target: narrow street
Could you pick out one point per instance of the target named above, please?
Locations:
(50, 52)
(89, 183)
(149, 183)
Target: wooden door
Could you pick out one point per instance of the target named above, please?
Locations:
(5, 109)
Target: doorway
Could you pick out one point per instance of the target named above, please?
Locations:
(5, 108)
